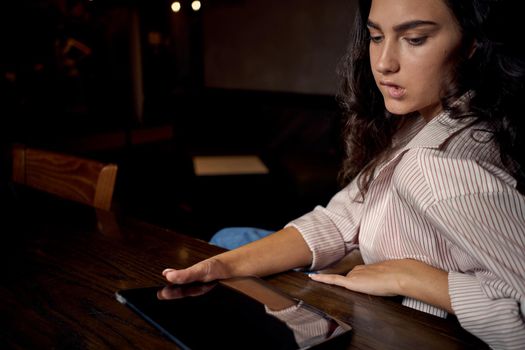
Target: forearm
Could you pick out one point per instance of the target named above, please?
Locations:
(425, 283)
(281, 251)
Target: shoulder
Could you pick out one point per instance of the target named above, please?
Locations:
(467, 163)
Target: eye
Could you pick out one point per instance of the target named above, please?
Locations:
(417, 41)
(376, 38)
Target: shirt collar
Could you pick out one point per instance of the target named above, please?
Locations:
(437, 131)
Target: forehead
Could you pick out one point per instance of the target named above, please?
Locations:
(392, 12)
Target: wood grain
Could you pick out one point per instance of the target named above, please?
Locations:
(75, 178)
(63, 271)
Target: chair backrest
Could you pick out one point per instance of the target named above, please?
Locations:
(67, 176)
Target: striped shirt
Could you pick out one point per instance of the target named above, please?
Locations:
(445, 199)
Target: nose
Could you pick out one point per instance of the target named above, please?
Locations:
(387, 61)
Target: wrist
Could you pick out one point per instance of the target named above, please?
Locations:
(407, 279)
(425, 283)
(218, 268)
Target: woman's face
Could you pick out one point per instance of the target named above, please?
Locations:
(413, 49)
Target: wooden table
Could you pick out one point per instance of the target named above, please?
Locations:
(63, 262)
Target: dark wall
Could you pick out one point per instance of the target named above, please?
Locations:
(263, 45)
(275, 45)
(64, 68)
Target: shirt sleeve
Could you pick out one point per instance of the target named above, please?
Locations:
(488, 231)
(331, 232)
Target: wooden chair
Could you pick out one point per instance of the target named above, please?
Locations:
(83, 180)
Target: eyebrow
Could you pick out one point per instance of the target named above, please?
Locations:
(403, 26)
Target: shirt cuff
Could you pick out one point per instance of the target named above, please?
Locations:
(421, 306)
(498, 322)
(323, 239)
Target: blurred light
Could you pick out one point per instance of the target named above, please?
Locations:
(154, 38)
(196, 5)
(175, 6)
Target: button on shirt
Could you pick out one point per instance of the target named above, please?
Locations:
(445, 199)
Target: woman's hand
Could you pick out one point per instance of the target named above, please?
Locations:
(376, 279)
(283, 250)
(405, 277)
(203, 271)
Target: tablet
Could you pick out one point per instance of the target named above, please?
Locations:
(239, 313)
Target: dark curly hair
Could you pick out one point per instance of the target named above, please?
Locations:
(495, 73)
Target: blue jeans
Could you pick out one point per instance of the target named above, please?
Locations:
(234, 237)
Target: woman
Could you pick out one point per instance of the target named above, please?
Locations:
(434, 96)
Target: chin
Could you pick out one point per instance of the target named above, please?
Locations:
(397, 109)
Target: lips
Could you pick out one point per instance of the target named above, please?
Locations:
(393, 90)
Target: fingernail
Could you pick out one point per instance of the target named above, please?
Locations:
(166, 271)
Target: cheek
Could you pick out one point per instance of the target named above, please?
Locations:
(429, 71)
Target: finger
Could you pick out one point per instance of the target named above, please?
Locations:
(337, 280)
(188, 275)
(203, 271)
(166, 271)
(359, 267)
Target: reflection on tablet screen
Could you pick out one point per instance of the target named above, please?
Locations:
(241, 313)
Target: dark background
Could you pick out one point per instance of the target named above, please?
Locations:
(237, 77)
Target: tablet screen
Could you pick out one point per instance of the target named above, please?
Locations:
(240, 313)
